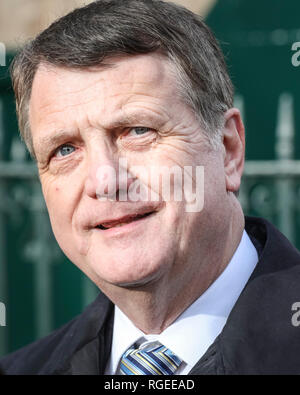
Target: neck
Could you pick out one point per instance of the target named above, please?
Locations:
(152, 307)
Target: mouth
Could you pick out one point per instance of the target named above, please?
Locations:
(123, 221)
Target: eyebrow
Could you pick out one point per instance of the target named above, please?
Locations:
(54, 139)
(135, 118)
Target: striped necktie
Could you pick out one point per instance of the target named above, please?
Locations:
(149, 359)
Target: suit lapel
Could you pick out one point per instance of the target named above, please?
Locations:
(88, 350)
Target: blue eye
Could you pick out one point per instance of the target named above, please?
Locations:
(65, 150)
(139, 130)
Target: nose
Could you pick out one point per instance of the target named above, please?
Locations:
(107, 174)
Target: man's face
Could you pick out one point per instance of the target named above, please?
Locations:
(85, 121)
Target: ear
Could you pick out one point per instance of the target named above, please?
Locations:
(234, 149)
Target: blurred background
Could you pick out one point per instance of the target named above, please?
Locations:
(40, 288)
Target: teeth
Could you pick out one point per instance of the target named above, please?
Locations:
(117, 225)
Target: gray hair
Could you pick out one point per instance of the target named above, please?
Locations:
(104, 29)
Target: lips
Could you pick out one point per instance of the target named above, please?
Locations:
(122, 221)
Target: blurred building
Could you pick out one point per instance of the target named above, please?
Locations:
(22, 19)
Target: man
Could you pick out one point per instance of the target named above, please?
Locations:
(132, 88)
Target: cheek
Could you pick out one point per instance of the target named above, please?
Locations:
(60, 216)
(59, 205)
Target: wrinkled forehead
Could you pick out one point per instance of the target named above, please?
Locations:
(61, 96)
(106, 97)
(153, 70)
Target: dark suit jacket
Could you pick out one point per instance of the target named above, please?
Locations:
(258, 338)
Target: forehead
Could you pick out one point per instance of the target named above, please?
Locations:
(145, 75)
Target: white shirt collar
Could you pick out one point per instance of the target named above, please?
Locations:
(190, 335)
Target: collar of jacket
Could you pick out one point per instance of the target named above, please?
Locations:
(258, 338)
(86, 346)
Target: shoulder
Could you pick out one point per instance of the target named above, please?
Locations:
(31, 358)
(51, 353)
(271, 244)
(259, 336)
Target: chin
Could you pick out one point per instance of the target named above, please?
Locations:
(138, 283)
(123, 273)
